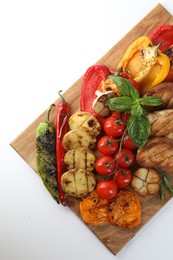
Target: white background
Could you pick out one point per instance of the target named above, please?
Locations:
(46, 46)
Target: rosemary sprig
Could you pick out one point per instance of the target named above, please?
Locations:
(165, 184)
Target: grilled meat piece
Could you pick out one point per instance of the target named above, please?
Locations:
(161, 123)
(157, 153)
(164, 91)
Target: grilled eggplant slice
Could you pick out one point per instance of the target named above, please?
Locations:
(80, 158)
(85, 119)
(78, 182)
(80, 137)
(46, 156)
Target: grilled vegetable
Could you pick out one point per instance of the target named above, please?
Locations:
(92, 80)
(80, 158)
(85, 119)
(77, 183)
(146, 182)
(46, 155)
(62, 117)
(145, 63)
(99, 105)
(94, 210)
(162, 34)
(125, 210)
(80, 137)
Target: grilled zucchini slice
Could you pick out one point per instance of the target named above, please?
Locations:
(78, 182)
(87, 120)
(80, 158)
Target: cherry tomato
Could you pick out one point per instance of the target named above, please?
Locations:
(125, 116)
(107, 189)
(125, 157)
(128, 143)
(105, 165)
(107, 145)
(123, 177)
(116, 114)
(114, 126)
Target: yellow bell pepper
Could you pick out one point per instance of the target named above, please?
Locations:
(145, 63)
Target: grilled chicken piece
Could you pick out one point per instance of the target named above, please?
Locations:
(157, 153)
(164, 91)
(161, 123)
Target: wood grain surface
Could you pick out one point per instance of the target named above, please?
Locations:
(114, 238)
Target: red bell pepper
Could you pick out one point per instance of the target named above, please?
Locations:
(91, 81)
(163, 35)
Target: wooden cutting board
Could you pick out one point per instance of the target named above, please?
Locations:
(114, 238)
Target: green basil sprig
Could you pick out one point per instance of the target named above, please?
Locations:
(138, 125)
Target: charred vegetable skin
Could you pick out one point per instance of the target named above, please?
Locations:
(46, 155)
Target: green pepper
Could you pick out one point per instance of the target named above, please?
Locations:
(46, 155)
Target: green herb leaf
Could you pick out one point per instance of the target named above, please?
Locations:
(165, 185)
(138, 129)
(162, 192)
(120, 103)
(125, 87)
(136, 109)
(151, 101)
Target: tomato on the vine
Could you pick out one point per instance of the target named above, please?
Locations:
(105, 165)
(125, 157)
(107, 145)
(114, 125)
(123, 177)
(128, 143)
(125, 116)
(107, 189)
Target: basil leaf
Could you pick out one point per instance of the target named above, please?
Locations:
(122, 84)
(136, 109)
(138, 129)
(151, 101)
(125, 87)
(133, 92)
(120, 103)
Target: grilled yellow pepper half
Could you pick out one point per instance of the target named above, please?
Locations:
(145, 63)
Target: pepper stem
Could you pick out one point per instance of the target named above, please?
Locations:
(62, 98)
(118, 71)
(48, 111)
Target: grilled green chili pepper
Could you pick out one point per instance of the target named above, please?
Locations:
(46, 155)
